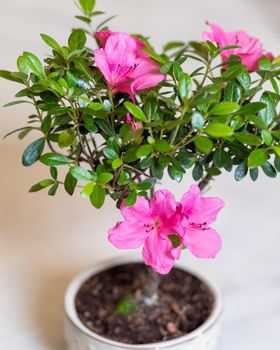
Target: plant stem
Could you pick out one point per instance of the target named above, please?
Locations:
(204, 182)
(150, 290)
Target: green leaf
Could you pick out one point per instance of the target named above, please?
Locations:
(77, 40)
(184, 86)
(162, 146)
(257, 121)
(268, 114)
(166, 68)
(83, 19)
(53, 189)
(123, 178)
(245, 80)
(41, 185)
(46, 124)
(135, 111)
(276, 149)
(53, 172)
(51, 43)
(10, 76)
(116, 163)
(177, 70)
(203, 144)
(22, 65)
(104, 178)
(269, 170)
(83, 67)
(80, 173)
(130, 155)
(88, 189)
(175, 174)
(225, 108)
(87, 6)
(277, 163)
(264, 64)
(218, 130)
(241, 171)
(155, 56)
(220, 158)
(105, 126)
(157, 169)
(267, 137)
(150, 107)
(173, 45)
(70, 183)
(54, 159)
(110, 153)
(126, 306)
(197, 172)
(97, 197)
(144, 150)
(146, 184)
(257, 158)
(251, 108)
(233, 92)
(248, 139)
(131, 199)
(276, 134)
(34, 64)
(33, 152)
(65, 139)
(197, 121)
(254, 174)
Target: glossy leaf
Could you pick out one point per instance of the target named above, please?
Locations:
(97, 197)
(33, 152)
(54, 159)
(135, 111)
(203, 144)
(80, 173)
(218, 130)
(225, 108)
(257, 158)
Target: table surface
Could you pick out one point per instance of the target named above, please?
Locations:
(44, 241)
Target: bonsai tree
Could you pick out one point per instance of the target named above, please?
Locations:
(117, 115)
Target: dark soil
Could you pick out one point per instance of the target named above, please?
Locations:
(113, 304)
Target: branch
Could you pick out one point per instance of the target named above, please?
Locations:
(204, 182)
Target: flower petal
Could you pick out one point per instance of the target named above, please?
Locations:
(157, 253)
(163, 204)
(139, 212)
(120, 49)
(218, 35)
(102, 63)
(128, 234)
(198, 209)
(103, 36)
(146, 82)
(202, 243)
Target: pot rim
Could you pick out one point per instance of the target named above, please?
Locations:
(72, 315)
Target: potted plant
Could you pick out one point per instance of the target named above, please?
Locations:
(118, 116)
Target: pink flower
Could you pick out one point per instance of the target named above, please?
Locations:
(134, 125)
(152, 223)
(250, 50)
(199, 212)
(149, 224)
(124, 64)
(103, 36)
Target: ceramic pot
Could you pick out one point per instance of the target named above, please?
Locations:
(79, 337)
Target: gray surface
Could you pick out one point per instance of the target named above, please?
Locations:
(45, 241)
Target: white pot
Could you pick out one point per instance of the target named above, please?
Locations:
(79, 337)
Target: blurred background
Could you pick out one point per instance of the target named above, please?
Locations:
(45, 241)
